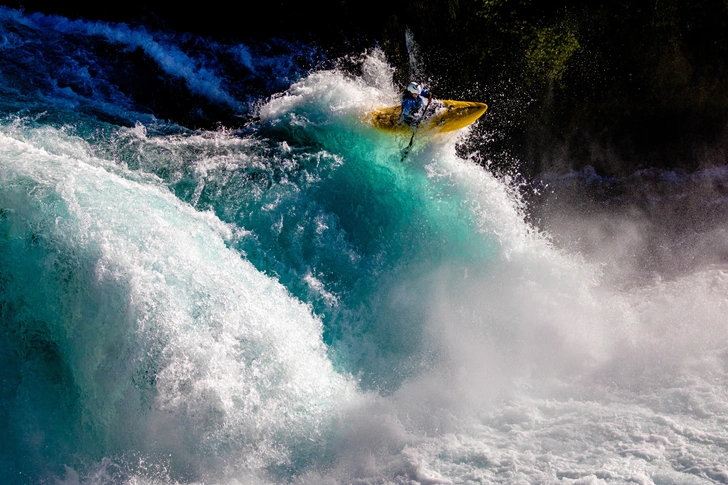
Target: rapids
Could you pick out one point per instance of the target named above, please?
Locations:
(286, 301)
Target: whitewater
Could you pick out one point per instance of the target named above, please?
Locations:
(288, 301)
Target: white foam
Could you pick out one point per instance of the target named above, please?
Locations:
(200, 79)
(237, 363)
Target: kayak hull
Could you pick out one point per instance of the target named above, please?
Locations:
(446, 116)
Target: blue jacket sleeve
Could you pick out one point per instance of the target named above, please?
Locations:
(408, 105)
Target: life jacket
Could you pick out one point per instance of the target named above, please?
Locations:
(411, 107)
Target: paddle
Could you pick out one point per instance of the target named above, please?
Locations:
(417, 125)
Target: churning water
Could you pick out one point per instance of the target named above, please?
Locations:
(289, 302)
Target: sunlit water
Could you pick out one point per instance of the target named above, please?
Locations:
(290, 302)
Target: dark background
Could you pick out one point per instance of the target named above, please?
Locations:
(619, 86)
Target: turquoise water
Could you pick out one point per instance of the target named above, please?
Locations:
(288, 301)
(208, 293)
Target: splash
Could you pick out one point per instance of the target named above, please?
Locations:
(413, 50)
(290, 303)
(126, 310)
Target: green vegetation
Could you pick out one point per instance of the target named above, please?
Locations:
(549, 52)
(645, 81)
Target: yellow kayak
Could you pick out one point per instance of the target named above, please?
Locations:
(441, 116)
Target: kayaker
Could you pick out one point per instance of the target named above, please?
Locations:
(413, 101)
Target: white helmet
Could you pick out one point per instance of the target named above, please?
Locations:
(414, 88)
